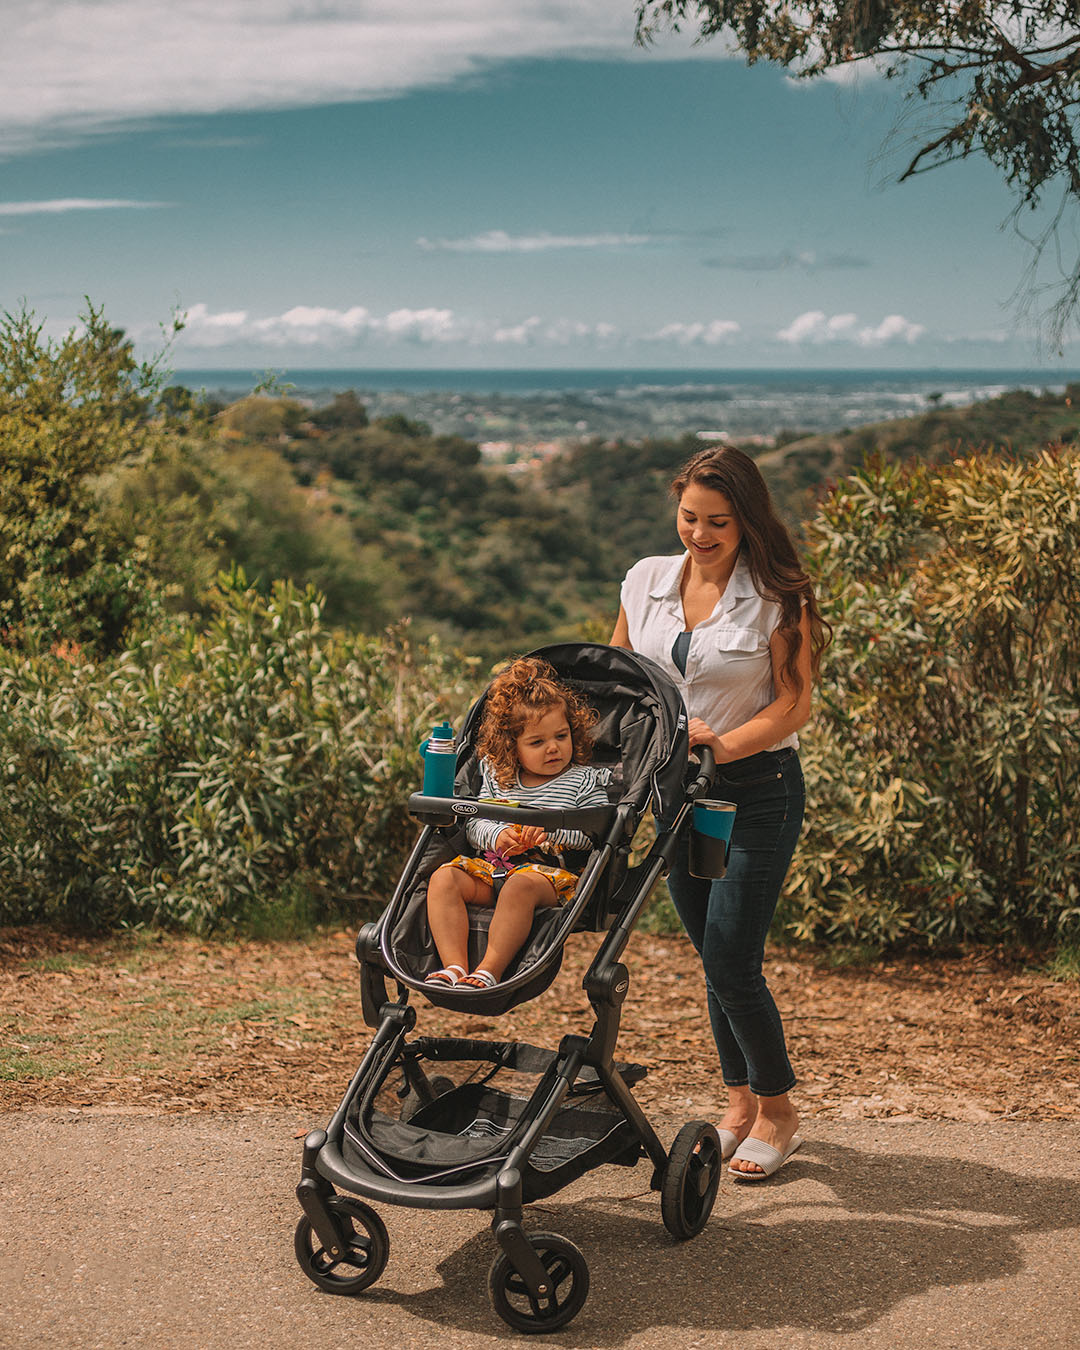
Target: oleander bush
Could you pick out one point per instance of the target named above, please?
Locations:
(212, 779)
(943, 763)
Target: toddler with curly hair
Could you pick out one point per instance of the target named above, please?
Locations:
(535, 738)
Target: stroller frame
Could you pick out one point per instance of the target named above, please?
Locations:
(538, 1281)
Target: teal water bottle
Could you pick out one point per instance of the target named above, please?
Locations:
(440, 761)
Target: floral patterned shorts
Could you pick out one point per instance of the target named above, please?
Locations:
(563, 881)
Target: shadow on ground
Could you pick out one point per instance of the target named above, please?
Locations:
(834, 1243)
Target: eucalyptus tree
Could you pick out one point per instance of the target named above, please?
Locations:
(1001, 80)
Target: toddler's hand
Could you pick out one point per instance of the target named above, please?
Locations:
(531, 836)
(519, 839)
(506, 842)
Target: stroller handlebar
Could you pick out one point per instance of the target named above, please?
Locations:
(460, 810)
(706, 771)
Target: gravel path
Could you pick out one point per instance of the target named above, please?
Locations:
(124, 1229)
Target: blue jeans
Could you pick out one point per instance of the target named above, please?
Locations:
(728, 920)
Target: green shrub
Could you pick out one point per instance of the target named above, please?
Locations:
(943, 764)
(216, 779)
(70, 411)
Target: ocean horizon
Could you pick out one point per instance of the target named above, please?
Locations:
(494, 379)
(516, 407)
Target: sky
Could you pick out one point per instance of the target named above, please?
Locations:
(480, 183)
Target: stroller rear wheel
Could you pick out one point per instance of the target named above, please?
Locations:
(691, 1179)
(367, 1246)
(569, 1286)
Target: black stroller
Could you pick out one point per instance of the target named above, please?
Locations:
(436, 1123)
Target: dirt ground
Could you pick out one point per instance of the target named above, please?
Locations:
(172, 1024)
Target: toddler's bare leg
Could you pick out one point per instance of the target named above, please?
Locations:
(449, 891)
(521, 896)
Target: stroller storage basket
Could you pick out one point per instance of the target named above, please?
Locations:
(463, 1134)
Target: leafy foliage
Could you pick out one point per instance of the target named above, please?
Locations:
(943, 765)
(198, 505)
(1019, 420)
(1002, 79)
(478, 557)
(201, 779)
(627, 486)
(69, 412)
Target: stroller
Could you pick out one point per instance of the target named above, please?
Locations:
(459, 1123)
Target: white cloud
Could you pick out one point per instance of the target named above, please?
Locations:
(893, 328)
(805, 260)
(519, 334)
(69, 67)
(199, 320)
(694, 334)
(61, 205)
(498, 241)
(852, 74)
(316, 326)
(420, 325)
(816, 327)
(535, 331)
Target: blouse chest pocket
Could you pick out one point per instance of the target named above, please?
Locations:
(741, 644)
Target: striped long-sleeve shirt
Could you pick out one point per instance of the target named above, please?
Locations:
(578, 785)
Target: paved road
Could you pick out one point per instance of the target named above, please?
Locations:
(124, 1230)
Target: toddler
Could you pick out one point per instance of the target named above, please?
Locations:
(535, 736)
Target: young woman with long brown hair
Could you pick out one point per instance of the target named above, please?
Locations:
(735, 624)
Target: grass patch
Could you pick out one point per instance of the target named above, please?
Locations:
(850, 956)
(60, 961)
(1065, 963)
(18, 1067)
(277, 1010)
(294, 914)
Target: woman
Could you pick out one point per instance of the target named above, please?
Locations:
(735, 624)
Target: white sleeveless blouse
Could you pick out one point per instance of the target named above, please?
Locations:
(728, 677)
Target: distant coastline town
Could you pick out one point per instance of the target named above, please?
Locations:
(520, 419)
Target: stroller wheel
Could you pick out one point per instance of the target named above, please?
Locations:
(510, 1295)
(367, 1246)
(690, 1180)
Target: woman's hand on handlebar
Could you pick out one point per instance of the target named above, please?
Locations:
(702, 734)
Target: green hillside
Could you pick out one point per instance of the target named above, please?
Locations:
(1019, 420)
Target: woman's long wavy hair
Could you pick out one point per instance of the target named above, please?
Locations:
(767, 546)
(521, 693)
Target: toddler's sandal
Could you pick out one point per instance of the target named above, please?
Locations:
(448, 976)
(479, 979)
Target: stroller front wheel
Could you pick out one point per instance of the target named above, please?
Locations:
(691, 1179)
(367, 1247)
(569, 1286)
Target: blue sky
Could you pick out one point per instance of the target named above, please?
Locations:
(458, 183)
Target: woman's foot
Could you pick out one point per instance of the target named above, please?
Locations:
(776, 1125)
(731, 1133)
(448, 976)
(734, 1125)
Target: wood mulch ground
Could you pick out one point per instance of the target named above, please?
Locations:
(169, 1023)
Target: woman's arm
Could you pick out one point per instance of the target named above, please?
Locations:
(621, 636)
(786, 713)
